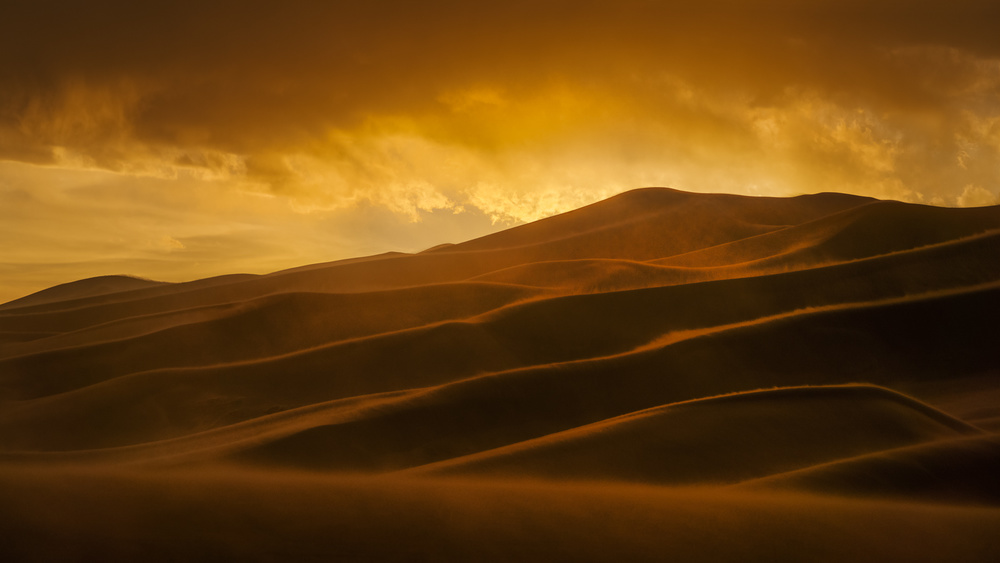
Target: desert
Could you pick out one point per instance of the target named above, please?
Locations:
(662, 374)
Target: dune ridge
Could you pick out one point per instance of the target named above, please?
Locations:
(83, 289)
(826, 362)
(721, 439)
(959, 470)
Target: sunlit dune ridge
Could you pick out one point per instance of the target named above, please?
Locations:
(825, 363)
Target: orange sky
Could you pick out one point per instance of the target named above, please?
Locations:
(177, 140)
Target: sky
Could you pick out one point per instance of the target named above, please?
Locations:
(184, 139)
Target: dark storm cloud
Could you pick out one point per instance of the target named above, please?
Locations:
(115, 80)
(265, 65)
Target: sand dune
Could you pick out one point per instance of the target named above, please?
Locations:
(627, 226)
(879, 343)
(873, 229)
(82, 289)
(221, 514)
(259, 328)
(15, 309)
(834, 355)
(574, 326)
(723, 439)
(632, 223)
(947, 471)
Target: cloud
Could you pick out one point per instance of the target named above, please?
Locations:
(977, 196)
(115, 83)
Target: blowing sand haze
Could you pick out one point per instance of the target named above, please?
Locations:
(660, 375)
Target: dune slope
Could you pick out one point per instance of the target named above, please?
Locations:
(723, 439)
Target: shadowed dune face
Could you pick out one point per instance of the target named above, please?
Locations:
(826, 363)
(726, 439)
(217, 513)
(945, 471)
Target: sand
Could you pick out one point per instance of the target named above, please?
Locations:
(663, 374)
